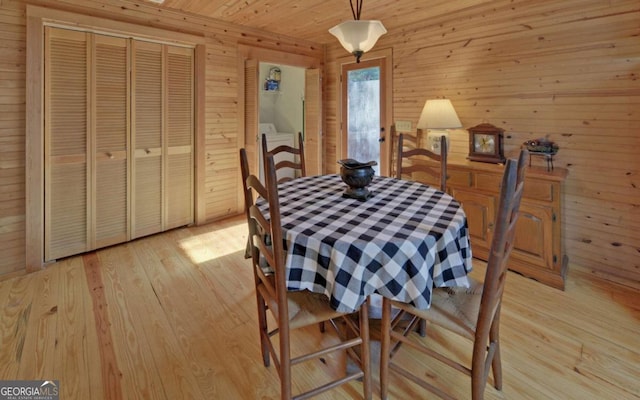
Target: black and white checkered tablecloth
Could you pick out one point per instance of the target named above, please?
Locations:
(400, 243)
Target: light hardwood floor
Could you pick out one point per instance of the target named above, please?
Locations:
(173, 316)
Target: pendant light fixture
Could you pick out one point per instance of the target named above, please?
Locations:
(358, 36)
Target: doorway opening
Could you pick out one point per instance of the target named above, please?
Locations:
(257, 69)
(281, 106)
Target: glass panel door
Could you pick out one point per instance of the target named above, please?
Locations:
(363, 112)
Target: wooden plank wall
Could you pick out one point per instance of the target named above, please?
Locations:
(12, 138)
(567, 69)
(534, 67)
(222, 115)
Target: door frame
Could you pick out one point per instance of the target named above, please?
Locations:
(265, 55)
(386, 106)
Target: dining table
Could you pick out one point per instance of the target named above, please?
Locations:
(404, 240)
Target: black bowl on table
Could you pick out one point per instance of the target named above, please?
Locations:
(357, 176)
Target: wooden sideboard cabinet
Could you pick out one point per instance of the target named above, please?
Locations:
(538, 250)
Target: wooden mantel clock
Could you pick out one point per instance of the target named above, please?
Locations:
(486, 144)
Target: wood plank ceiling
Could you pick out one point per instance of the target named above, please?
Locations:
(311, 19)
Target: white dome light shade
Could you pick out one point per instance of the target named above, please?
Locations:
(358, 36)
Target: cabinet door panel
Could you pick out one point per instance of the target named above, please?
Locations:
(67, 219)
(111, 132)
(179, 152)
(66, 145)
(534, 240)
(480, 211)
(180, 188)
(148, 192)
(147, 124)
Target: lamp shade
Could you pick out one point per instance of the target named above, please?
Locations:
(358, 36)
(438, 114)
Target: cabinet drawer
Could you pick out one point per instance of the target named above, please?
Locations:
(458, 178)
(533, 189)
(538, 190)
(488, 181)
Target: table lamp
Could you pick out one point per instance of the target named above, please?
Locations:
(437, 116)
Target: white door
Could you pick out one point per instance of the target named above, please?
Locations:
(363, 112)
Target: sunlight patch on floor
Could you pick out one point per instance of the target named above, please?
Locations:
(216, 242)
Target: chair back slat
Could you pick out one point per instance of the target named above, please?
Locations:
(298, 154)
(254, 183)
(410, 159)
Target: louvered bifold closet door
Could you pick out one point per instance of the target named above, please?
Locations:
(179, 138)
(119, 140)
(111, 127)
(66, 143)
(147, 124)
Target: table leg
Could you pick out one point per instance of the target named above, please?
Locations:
(375, 334)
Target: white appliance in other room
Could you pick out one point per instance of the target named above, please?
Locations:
(275, 139)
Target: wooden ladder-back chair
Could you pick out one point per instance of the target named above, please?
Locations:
(473, 312)
(293, 310)
(298, 156)
(407, 149)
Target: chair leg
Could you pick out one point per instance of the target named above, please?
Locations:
(385, 348)
(422, 327)
(478, 382)
(480, 368)
(263, 330)
(494, 340)
(285, 387)
(248, 249)
(286, 392)
(496, 365)
(365, 350)
(479, 373)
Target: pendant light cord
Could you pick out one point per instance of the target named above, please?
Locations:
(356, 11)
